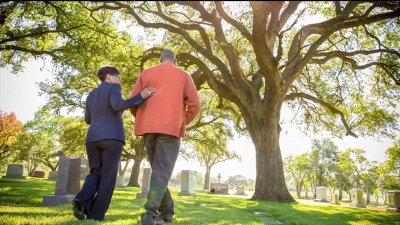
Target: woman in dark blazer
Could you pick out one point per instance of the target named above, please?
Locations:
(104, 142)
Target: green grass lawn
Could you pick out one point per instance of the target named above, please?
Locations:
(20, 203)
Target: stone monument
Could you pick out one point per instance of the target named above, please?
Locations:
(357, 198)
(38, 173)
(240, 191)
(145, 183)
(187, 183)
(67, 183)
(220, 188)
(321, 195)
(15, 171)
(393, 198)
(335, 198)
(52, 175)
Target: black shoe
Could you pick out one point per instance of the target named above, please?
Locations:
(79, 211)
(167, 217)
(150, 219)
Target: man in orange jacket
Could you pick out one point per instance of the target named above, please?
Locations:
(161, 120)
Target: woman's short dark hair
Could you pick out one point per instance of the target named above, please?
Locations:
(102, 73)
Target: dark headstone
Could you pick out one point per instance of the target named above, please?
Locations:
(67, 183)
(15, 171)
(145, 183)
(39, 174)
(52, 175)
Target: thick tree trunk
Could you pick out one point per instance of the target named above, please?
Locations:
(265, 131)
(134, 179)
(207, 178)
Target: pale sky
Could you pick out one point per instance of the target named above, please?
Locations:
(19, 94)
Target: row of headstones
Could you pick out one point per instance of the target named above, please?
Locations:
(68, 185)
(17, 171)
(68, 181)
(357, 198)
(187, 184)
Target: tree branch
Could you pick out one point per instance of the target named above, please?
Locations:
(263, 53)
(13, 38)
(31, 51)
(326, 105)
(325, 29)
(243, 30)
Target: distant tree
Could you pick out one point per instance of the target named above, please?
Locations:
(44, 147)
(370, 179)
(297, 168)
(208, 135)
(237, 181)
(393, 160)
(323, 159)
(72, 135)
(344, 172)
(199, 179)
(10, 130)
(360, 163)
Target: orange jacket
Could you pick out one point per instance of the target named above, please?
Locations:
(174, 105)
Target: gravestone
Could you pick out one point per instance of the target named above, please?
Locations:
(85, 170)
(220, 188)
(321, 195)
(393, 198)
(67, 183)
(15, 171)
(120, 181)
(38, 173)
(240, 191)
(52, 175)
(357, 198)
(335, 198)
(145, 183)
(187, 183)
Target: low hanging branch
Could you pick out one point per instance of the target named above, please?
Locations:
(326, 105)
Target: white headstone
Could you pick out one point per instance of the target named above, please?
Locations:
(120, 181)
(187, 183)
(335, 198)
(357, 198)
(393, 197)
(321, 195)
(240, 190)
(145, 183)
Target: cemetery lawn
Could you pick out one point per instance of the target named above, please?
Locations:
(20, 203)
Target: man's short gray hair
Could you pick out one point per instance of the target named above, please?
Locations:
(168, 55)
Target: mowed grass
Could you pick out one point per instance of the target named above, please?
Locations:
(20, 203)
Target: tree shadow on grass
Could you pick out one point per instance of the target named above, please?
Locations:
(25, 199)
(28, 192)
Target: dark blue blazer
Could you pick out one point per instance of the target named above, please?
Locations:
(104, 107)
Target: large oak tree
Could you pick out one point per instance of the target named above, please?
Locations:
(342, 73)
